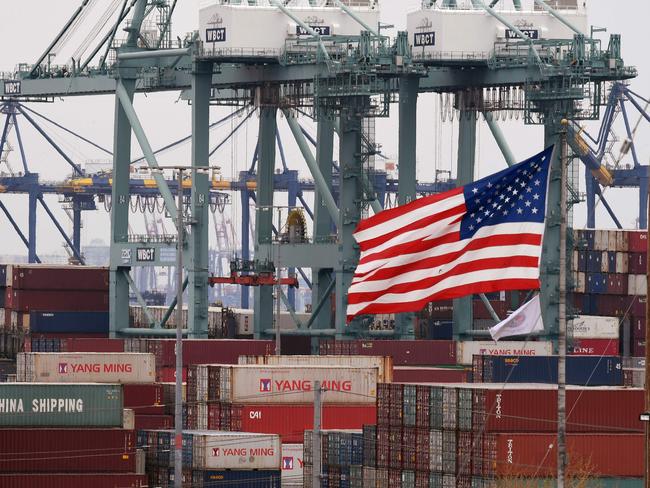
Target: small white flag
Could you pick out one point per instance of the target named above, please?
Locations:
(524, 320)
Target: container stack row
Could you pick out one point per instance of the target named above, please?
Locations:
(213, 458)
(43, 303)
(610, 279)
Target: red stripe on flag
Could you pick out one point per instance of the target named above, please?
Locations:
(392, 213)
(448, 294)
(459, 269)
(424, 263)
(418, 224)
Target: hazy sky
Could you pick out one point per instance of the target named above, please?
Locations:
(29, 26)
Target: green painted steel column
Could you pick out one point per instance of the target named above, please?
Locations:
(408, 103)
(197, 267)
(550, 264)
(349, 204)
(120, 264)
(323, 224)
(263, 317)
(463, 316)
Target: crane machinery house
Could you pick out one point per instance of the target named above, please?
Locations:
(259, 27)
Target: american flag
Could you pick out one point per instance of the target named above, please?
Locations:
(480, 238)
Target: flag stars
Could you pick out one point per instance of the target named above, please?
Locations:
(528, 203)
(489, 185)
(534, 210)
(471, 227)
(474, 191)
(501, 197)
(537, 182)
(520, 211)
(535, 196)
(529, 189)
(479, 220)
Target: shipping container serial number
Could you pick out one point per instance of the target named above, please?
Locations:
(424, 39)
(145, 254)
(217, 34)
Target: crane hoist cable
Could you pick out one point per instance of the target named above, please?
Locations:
(95, 31)
(73, 28)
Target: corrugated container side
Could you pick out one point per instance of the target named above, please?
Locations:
(607, 455)
(87, 367)
(467, 349)
(67, 451)
(60, 405)
(594, 347)
(422, 374)
(82, 344)
(49, 277)
(226, 450)
(67, 480)
(403, 352)
(84, 322)
(237, 479)
(56, 300)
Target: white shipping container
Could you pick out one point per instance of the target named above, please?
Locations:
(601, 240)
(384, 364)
(62, 367)
(589, 326)
(236, 450)
(581, 283)
(467, 349)
(281, 384)
(604, 262)
(637, 285)
(292, 465)
(621, 262)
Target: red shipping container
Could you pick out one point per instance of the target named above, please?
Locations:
(414, 374)
(290, 421)
(481, 312)
(637, 263)
(94, 480)
(48, 277)
(67, 451)
(638, 308)
(602, 455)
(407, 352)
(594, 347)
(58, 300)
(638, 240)
(638, 348)
(167, 374)
(210, 351)
(535, 409)
(637, 327)
(144, 399)
(81, 344)
(154, 422)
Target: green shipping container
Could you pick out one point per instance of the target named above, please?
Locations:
(60, 405)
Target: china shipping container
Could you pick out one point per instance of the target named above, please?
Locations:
(290, 421)
(535, 455)
(86, 367)
(60, 405)
(403, 352)
(68, 480)
(67, 451)
(384, 364)
(51, 277)
(69, 322)
(580, 370)
(466, 350)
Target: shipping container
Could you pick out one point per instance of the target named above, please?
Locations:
(236, 450)
(154, 422)
(290, 421)
(51, 277)
(254, 384)
(423, 374)
(86, 367)
(637, 240)
(384, 364)
(580, 370)
(68, 480)
(467, 349)
(603, 455)
(236, 479)
(57, 300)
(292, 465)
(594, 347)
(144, 398)
(67, 451)
(85, 344)
(66, 322)
(403, 352)
(60, 405)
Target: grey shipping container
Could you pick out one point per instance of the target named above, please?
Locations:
(60, 405)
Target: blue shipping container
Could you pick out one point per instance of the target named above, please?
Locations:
(442, 330)
(580, 370)
(236, 479)
(69, 322)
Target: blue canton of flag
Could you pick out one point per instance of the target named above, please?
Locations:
(516, 194)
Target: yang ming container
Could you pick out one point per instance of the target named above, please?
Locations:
(580, 370)
(384, 364)
(467, 349)
(67, 451)
(235, 450)
(86, 367)
(60, 405)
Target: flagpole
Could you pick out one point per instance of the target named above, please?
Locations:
(561, 364)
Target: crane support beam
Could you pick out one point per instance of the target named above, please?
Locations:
(17, 229)
(356, 18)
(555, 14)
(500, 139)
(76, 252)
